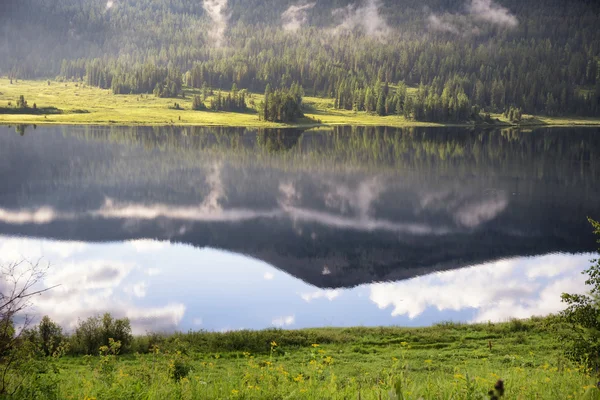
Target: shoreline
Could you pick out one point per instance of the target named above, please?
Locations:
(72, 103)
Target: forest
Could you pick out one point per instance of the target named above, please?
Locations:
(463, 57)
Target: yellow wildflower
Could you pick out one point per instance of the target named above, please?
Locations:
(315, 345)
(273, 344)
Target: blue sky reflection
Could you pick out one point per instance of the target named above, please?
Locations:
(162, 286)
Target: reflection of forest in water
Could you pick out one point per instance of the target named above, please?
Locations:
(361, 204)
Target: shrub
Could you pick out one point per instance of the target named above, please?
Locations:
(582, 341)
(97, 331)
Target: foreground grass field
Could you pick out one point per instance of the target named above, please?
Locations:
(80, 104)
(447, 361)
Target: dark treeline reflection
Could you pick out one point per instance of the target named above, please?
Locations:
(336, 207)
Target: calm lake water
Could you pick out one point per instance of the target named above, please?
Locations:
(221, 228)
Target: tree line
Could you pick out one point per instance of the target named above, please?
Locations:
(548, 64)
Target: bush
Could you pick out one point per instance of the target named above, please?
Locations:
(582, 341)
(97, 331)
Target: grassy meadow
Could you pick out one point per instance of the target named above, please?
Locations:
(446, 361)
(76, 103)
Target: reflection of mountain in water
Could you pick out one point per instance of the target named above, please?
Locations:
(335, 208)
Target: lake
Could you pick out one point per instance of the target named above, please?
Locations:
(229, 228)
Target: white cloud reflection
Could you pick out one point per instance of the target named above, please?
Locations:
(328, 294)
(495, 291)
(96, 284)
(154, 289)
(282, 322)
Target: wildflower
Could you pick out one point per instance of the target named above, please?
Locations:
(234, 392)
(459, 376)
(302, 390)
(404, 344)
(315, 345)
(273, 344)
(394, 359)
(299, 378)
(428, 361)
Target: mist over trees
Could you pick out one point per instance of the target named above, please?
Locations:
(462, 55)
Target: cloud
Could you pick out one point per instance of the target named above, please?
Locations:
(488, 11)
(216, 11)
(441, 24)
(329, 294)
(495, 291)
(296, 16)
(109, 4)
(269, 276)
(197, 321)
(281, 322)
(470, 23)
(366, 17)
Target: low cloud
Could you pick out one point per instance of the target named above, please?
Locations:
(216, 11)
(488, 11)
(477, 13)
(296, 16)
(365, 17)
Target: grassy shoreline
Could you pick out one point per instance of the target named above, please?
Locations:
(445, 361)
(78, 104)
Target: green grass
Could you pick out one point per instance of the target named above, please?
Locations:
(446, 361)
(75, 103)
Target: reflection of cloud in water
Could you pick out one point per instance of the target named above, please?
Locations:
(42, 215)
(360, 199)
(146, 245)
(468, 209)
(190, 213)
(212, 202)
(347, 206)
(363, 224)
(281, 322)
(509, 288)
(138, 290)
(321, 294)
(90, 287)
(480, 211)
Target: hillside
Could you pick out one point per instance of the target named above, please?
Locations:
(461, 55)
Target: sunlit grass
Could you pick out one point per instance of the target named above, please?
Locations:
(447, 361)
(81, 104)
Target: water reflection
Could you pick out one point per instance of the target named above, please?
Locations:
(163, 286)
(353, 220)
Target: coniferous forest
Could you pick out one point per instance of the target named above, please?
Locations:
(433, 60)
